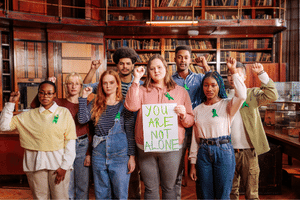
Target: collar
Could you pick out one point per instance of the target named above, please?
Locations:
(176, 74)
(51, 109)
(132, 77)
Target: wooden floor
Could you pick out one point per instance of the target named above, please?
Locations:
(11, 188)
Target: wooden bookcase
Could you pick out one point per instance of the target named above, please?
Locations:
(5, 69)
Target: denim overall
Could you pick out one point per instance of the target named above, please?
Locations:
(79, 177)
(110, 162)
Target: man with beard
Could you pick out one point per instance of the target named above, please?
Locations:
(125, 58)
(192, 83)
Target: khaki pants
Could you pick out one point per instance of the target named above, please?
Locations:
(246, 173)
(43, 187)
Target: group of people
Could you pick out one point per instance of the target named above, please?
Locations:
(63, 137)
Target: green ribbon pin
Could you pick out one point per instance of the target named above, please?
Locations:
(169, 96)
(214, 112)
(186, 87)
(55, 119)
(245, 104)
(118, 115)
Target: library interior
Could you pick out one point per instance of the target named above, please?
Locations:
(52, 38)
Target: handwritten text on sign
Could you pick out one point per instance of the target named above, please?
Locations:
(160, 127)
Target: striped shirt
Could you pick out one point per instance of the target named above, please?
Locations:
(107, 120)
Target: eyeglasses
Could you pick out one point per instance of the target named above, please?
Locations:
(49, 94)
(72, 84)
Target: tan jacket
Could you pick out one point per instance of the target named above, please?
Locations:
(257, 97)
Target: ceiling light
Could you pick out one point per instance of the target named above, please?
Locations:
(170, 23)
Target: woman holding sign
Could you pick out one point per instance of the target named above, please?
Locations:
(113, 142)
(212, 155)
(159, 159)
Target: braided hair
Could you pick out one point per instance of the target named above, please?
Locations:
(222, 92)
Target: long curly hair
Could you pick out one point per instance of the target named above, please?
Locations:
(167, 80)
(100, 100)
(222, 92)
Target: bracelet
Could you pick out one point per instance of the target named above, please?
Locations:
(261, 72)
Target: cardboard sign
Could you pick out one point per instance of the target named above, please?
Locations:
(160, 126)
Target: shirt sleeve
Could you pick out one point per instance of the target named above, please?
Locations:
(69, 155)
(133, 101)
(84, 111)
(240, 95)
(189, 119)
(194, 146)
(129, 122)
(264, 78)
(6, 117)
(93, 85)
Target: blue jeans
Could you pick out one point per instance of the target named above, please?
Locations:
(215, 169)
(79, 177)
(110, 165)
(159, 168)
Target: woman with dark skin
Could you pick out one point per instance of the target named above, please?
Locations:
(48, 136)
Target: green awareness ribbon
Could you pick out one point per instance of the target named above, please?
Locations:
(55, 119)
(245, 104)
(186, 87)
(118, 115)
(169, 96)
(214, 112)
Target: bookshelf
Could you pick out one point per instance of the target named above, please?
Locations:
(5, 68)
(168, 10)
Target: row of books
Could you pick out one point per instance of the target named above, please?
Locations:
(176, 3)
(263, 16)
(129, 3)
(183, 3)
(171, 44)
(246, 56)
(212, 16)
(221, 2)
(208, 56)
(263, 2)
(245, 44)
(144, 57)
(129, 17)
(174, 17)
(150, 44)
(5, 53)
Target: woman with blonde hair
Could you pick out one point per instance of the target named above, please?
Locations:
(159, 168)
(113, 142)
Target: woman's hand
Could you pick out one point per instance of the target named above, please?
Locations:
(60, 175)
(86, 92)
(14, 97)
(87, 161)
(193, 174)
(231, 64)
(131, 164)
(96, 64)
(138, 73)
(180, 111)
(52, 79)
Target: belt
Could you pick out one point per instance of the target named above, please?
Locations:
(213, 142)
(82, 137)
(241, 150)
